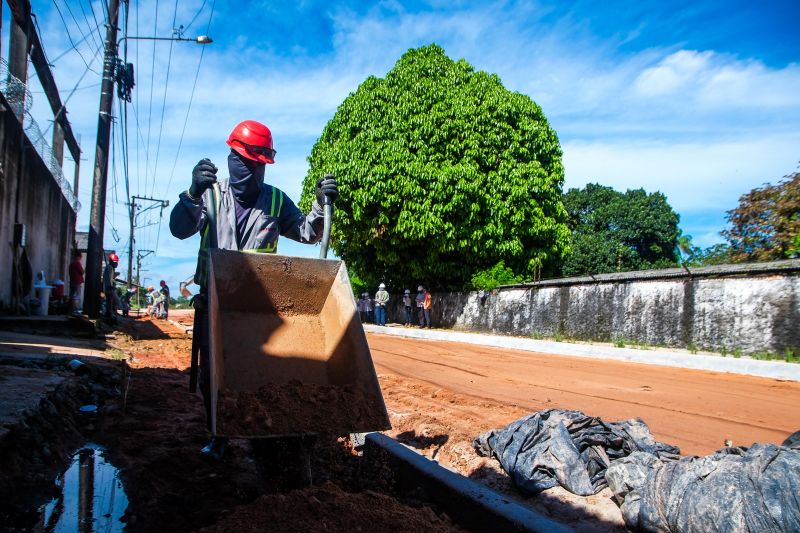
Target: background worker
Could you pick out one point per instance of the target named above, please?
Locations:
(427, 307)
(109, 288)
(407, 306)
(239, 213)
(362, 309)
(165, 293)
(75, 282)
(420, 301)
(368, 307)
(381, 299)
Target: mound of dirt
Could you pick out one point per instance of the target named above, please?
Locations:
(297, 407)
(329, 508)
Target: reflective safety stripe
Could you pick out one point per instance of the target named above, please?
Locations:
(270, 249)
(210, 231)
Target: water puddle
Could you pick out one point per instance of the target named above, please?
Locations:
(92, 497)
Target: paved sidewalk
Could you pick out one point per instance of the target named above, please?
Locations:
(655, 356)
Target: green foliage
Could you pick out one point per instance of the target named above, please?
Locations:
(358, 285)
(718, 254)
(694, 256)
(442, 172)
(180, 302)
(492, 278)
(766, 224)
(614, 231)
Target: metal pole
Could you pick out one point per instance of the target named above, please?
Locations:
(94, 253)
(130, 243)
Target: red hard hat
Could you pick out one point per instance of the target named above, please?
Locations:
(252, 140)
(113, 258)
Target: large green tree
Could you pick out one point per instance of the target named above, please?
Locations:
(442, 173)
(766, 224)
(615, 231)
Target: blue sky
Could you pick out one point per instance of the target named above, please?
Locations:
(698, 100)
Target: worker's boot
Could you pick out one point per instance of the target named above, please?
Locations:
(215, 449)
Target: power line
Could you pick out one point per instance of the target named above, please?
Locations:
(191, 98)
(164, 101)
(69, 36)
(138, 167)
(150, 108)
(75, 88)
(197, 15)
(88, 24)
(94, 16)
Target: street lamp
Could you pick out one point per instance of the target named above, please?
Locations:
(200, 39)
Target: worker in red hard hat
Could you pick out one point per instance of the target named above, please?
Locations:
(239, 213)
(109, 288)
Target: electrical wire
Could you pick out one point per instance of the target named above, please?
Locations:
(69, 36)
(138, 166)
(96, 22)
(191, 99)
(75, 88)
(197, 15)
(164, 101)
(150, 108)
(86, 18)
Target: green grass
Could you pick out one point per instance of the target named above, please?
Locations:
(558, 337)
(115, 354)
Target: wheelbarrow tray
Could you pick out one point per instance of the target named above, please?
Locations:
(288, 353)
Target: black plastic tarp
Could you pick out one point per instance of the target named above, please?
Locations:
(567, 448)
(754, 489)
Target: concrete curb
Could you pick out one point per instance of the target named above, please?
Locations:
(751, 367)
(475, 506)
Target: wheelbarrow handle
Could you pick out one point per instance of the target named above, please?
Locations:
(326, 232)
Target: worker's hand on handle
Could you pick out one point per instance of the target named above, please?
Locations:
(326, 190)
(204, 176)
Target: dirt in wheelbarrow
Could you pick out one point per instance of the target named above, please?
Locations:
(299, 407)
(154, 436)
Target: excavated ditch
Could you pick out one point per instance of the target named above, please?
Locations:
(138, 468)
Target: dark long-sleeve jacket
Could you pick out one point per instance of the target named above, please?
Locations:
(214, 217)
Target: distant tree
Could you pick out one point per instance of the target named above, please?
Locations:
(695, 256)
(442, 173)
(687, 251)
(492, 278)
(718, 254)
(766, 224)
(614, 231)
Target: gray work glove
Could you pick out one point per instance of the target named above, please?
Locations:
(326, 187)
(204, 176)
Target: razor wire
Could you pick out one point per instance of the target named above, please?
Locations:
(20, 100)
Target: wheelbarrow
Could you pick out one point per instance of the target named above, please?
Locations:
(288, 353)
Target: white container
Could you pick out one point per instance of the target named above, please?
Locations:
(43, 294)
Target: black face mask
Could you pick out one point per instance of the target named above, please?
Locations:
(246, 178)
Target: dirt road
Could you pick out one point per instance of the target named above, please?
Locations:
(695, 410)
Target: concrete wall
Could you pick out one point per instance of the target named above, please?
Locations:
(29, 194)
(751, 307)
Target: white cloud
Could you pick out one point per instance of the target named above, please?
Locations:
(701, 126)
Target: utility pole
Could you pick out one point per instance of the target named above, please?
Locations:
(132, 217)
(139, 256)
(94, 253)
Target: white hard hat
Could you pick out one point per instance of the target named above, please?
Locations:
(382, 286)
